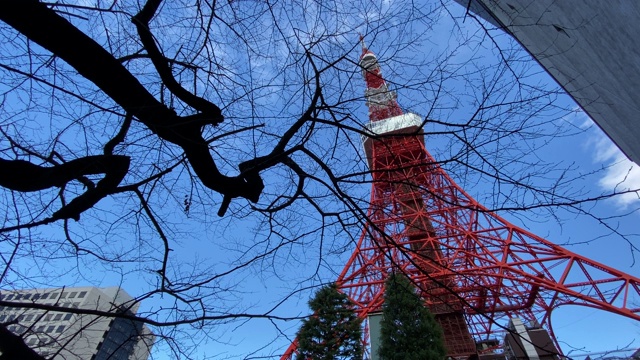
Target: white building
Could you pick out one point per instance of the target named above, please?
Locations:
(68, 336)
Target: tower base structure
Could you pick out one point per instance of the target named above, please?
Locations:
(475, 270)
(528, 342)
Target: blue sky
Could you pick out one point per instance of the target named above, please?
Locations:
(441, 68)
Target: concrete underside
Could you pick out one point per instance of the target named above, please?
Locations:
(591, 48)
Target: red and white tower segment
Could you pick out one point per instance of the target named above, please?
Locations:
(475, 270)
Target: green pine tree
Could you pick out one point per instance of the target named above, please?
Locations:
(334, 331)
(408, 330)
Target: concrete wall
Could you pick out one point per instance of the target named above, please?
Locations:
(591, 48)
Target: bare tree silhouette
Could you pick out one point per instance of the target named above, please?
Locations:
(134, 132)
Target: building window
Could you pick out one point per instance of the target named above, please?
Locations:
(31, 341)
(2, 317)
(64, 295)
(57, 317)
(36, 296)
(60, 329)
(27, 296)
(9, 297)
(54, 295)
(50, 329)
(30, 317)
(68, 316)
(45, 295)
(19, 296)
(73, 294)
(47, 317)
(82, 294)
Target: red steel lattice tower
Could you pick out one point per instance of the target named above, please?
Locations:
(474, 269)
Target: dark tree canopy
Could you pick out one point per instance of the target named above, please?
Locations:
(334, 331)
(408, 330)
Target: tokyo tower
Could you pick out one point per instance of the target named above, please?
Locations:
(474, 269)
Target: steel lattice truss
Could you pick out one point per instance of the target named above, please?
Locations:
(424, 224)
(475, 270)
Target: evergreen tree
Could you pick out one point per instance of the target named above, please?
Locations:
(334, 331)
(408, 331)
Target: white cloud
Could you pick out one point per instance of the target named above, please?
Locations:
(620, 173)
